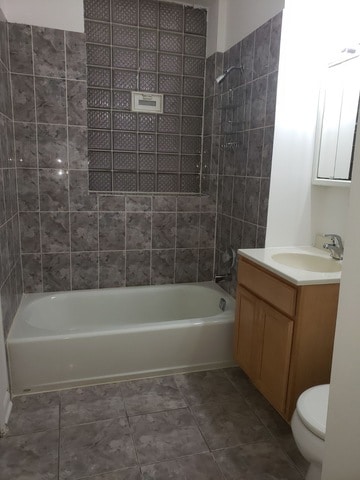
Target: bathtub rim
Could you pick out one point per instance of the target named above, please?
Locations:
(28, 298)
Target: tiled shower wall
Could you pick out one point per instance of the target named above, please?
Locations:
(238, 137)
(70, 238)
(148, 46)
(73, 239)
(10, 270)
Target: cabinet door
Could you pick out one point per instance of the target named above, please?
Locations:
(273, 371)
(245, 332)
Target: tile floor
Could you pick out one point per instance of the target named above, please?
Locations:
(209, 425)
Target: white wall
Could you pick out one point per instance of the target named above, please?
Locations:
(297, 210)
(343, 425)
(329, 207)
(213, 19)
(62, 14)
(229, 21)
(289, 214)
(308, 209)
(2, 6)
(244, 16)
(69, 15)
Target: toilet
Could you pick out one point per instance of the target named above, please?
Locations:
(308, 425)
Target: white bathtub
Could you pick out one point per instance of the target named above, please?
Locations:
(59, 340)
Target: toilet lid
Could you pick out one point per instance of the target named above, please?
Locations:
(312, 408)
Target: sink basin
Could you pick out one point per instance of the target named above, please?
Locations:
(311, 263)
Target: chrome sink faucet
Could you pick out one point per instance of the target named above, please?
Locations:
(336, 247)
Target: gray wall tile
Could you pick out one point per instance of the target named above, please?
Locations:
(52, 146)
(84, 231)
(137, 267)
(56, 272)
(162, 266)
(49, 49)
(32, 273)
(28, 189)
(75, 55)
(11, 285)
(55, 232)
(76, 102)
(23, 98)
(187, 230)
(138, 230)
(25, 145)
(84, 270)
(80, 199)
(20, 48)
(30, 232)
(186, 265)
(243, 170)
(50, 100)
(152, 225)
(111, 231)
(77, 148)
(112, 269)
(53, 189)
(163, 230)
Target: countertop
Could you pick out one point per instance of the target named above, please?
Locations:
(263, 257)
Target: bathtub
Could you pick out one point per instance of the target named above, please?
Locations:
(60, 340)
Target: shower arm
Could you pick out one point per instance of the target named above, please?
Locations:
(222, 77)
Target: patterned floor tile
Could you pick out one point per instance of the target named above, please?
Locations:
(194, 467)
(34, 413)
(267, 414)
(171, 441)
(30, 457)
(229, 424)
(90, 404)
(287, 443)
(240, 380)
(95, 448)
(151, 395)
(166, 435)
(132, 473)
(202, 387)
(261, 461)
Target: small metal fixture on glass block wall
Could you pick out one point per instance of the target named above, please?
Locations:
(147, 102)
(232, 146)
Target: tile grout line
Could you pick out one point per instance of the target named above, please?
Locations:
(15, 158)
(37, 159)
(68, 159)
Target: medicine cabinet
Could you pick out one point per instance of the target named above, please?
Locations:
(338, 114)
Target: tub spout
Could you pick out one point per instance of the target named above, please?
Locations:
(221, 278)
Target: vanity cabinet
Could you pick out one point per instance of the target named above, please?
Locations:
(284, 334)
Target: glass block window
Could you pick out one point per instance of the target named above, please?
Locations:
(150, 46)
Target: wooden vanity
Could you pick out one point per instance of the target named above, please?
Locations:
(284, 333)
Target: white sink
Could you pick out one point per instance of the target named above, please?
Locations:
(308, 262)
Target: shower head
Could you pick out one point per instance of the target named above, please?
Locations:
(222, 77)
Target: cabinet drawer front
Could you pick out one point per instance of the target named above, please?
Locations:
(268, 287)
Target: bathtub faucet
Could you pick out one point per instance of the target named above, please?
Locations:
(221, 278)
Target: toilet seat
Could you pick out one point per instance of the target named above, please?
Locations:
(312, 406)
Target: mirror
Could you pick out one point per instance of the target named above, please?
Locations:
(338, 113)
